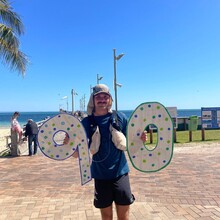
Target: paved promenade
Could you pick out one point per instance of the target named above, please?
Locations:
(40, 188)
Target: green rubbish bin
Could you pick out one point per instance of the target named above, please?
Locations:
(193, 123)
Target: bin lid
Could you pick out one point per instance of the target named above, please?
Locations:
(193, 117)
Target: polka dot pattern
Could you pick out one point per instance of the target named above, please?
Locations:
(142, 158)
(77, 138)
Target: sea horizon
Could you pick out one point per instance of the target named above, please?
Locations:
(5, 117)
(80, 110)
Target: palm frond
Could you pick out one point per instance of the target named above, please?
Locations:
(9, 52)
(10, 28)
(10, 18)
(9, 37)
(14, 58)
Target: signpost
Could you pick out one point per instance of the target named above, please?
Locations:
(210, 119)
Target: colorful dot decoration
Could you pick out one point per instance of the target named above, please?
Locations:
(77, 139)
(141, 157)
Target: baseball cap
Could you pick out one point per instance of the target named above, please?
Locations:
(100, 88)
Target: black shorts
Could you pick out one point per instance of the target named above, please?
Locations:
(117, 190)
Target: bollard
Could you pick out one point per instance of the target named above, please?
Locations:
(14, 144)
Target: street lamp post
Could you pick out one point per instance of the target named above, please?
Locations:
(67, 104)
(82, 103)
(66, 97)
(99, 78)
(115, 78)
(91, 89)
(73, 93)
(59, 102)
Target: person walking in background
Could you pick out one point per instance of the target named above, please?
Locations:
(15, 126)
(31, 133)
(106, 132)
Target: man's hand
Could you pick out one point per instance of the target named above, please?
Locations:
(76, 154)
(66, 139)
(144, 136)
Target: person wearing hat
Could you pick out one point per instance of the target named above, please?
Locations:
(107, 143)
(31, 132)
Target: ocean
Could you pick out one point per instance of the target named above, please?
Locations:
(180, 112)
(5, 117)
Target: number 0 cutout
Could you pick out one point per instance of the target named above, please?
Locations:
(141, 157)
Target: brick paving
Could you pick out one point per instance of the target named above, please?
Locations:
(40, 188)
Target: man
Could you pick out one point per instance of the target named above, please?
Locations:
(31, 133)
(109, 166)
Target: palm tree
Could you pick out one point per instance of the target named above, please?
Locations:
(10, 29)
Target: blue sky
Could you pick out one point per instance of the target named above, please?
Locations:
(171, 47)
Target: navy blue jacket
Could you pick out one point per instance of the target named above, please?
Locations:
(31, 128)
(109, 162)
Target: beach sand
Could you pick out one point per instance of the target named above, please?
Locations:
(3, 133)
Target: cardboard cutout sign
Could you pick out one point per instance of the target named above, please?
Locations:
(50, 147)
(143, 159)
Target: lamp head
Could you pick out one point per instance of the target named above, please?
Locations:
(119, 85)
(119, 56)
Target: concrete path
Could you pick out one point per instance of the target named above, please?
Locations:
(40, 188)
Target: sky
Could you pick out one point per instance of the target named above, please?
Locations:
(171, 53)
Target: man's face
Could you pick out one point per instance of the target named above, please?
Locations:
(101, 100)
